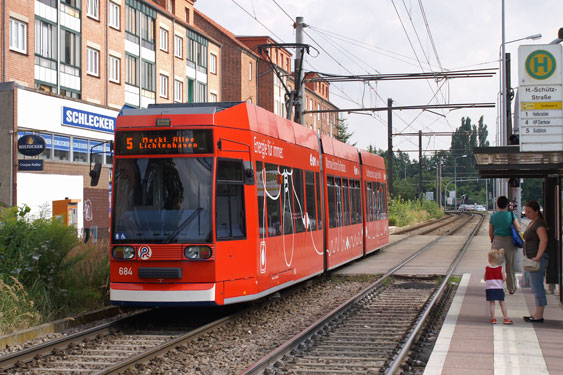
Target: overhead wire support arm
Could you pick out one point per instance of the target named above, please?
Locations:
(290, 95)
(407, 107)
(474, 73)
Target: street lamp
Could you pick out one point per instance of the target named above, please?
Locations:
(455, 178)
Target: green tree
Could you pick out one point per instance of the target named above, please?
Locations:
(342, 133)
(482, 133)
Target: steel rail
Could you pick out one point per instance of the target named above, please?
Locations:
(294, 342)
(164, 348)
(9, 360)
(398, 360)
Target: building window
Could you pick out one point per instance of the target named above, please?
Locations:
(114, 15)
(93, 9)
(61, 148)
(97, 151)
(45, 40)
(187, 15)
(46, 154)
(70, 48)
(201, 55)
(148, 76)
(73, 3)
(18, 36)
(212, 64)
(114, 69)
(80, 150)
(163, 39)
(178, 91)
(178, 46)
(201, 92)
(147, 28)
(131, 76)
(93, 64)
(213, 98)
(163, 86)
(131, 21)
(109, 154)
(250, 71)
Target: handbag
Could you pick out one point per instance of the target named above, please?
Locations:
(516, 239)
(530, 265)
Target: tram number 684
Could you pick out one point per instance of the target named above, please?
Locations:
(124, 271)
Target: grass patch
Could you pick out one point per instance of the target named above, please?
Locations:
(403, 212)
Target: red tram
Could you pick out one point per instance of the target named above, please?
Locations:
(219, 203)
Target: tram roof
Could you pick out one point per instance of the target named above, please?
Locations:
(339, 149)
(510, 162)
(372, 160)
(238, 115)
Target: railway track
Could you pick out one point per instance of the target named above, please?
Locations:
(370, 333)
(115, 347)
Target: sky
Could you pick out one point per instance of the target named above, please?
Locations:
(391, 36)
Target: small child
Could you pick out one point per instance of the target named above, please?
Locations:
(494, 277)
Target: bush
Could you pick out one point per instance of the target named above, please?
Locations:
(403, 212)
(59, 274)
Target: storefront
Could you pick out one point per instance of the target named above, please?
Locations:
(76, 134)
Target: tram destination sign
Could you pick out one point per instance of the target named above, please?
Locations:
(540, 95)
(164, 142)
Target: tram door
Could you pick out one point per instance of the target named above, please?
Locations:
(552, 215)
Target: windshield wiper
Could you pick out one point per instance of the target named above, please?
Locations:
(183, 225)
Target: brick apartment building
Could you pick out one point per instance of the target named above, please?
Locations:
(68, 66)
(64, 61)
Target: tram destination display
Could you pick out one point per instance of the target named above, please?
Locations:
(164, 142)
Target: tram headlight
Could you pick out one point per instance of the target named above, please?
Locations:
(197, 252)
(123, 252)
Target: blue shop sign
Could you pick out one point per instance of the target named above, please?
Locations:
(88, 120)
(30, 164)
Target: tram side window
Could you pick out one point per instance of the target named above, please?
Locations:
(273, 200)
(331, 196)
(229, 200)
(384, 201)
(287, 200)
(311, 202)
(352, 203)
(359, 201)
(319, 205)
(376, 200)
(345, 202)
(299, 201)
(338, 193)
(261, 194)
(368, 201)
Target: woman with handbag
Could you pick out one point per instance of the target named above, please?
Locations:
(535, 245)
(500, 232)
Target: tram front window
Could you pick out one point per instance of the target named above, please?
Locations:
(162, 200)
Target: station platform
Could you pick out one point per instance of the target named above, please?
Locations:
(467, 342)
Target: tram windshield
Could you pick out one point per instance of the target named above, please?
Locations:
(162, 200)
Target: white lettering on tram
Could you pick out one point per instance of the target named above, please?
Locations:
(267, 148)
(372, 174)
(335, 165)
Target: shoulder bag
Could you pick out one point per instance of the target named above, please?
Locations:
(516, 239)
(530, 265)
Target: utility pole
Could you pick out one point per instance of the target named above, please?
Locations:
(299, 77)
(420, 192)
(390, 146)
